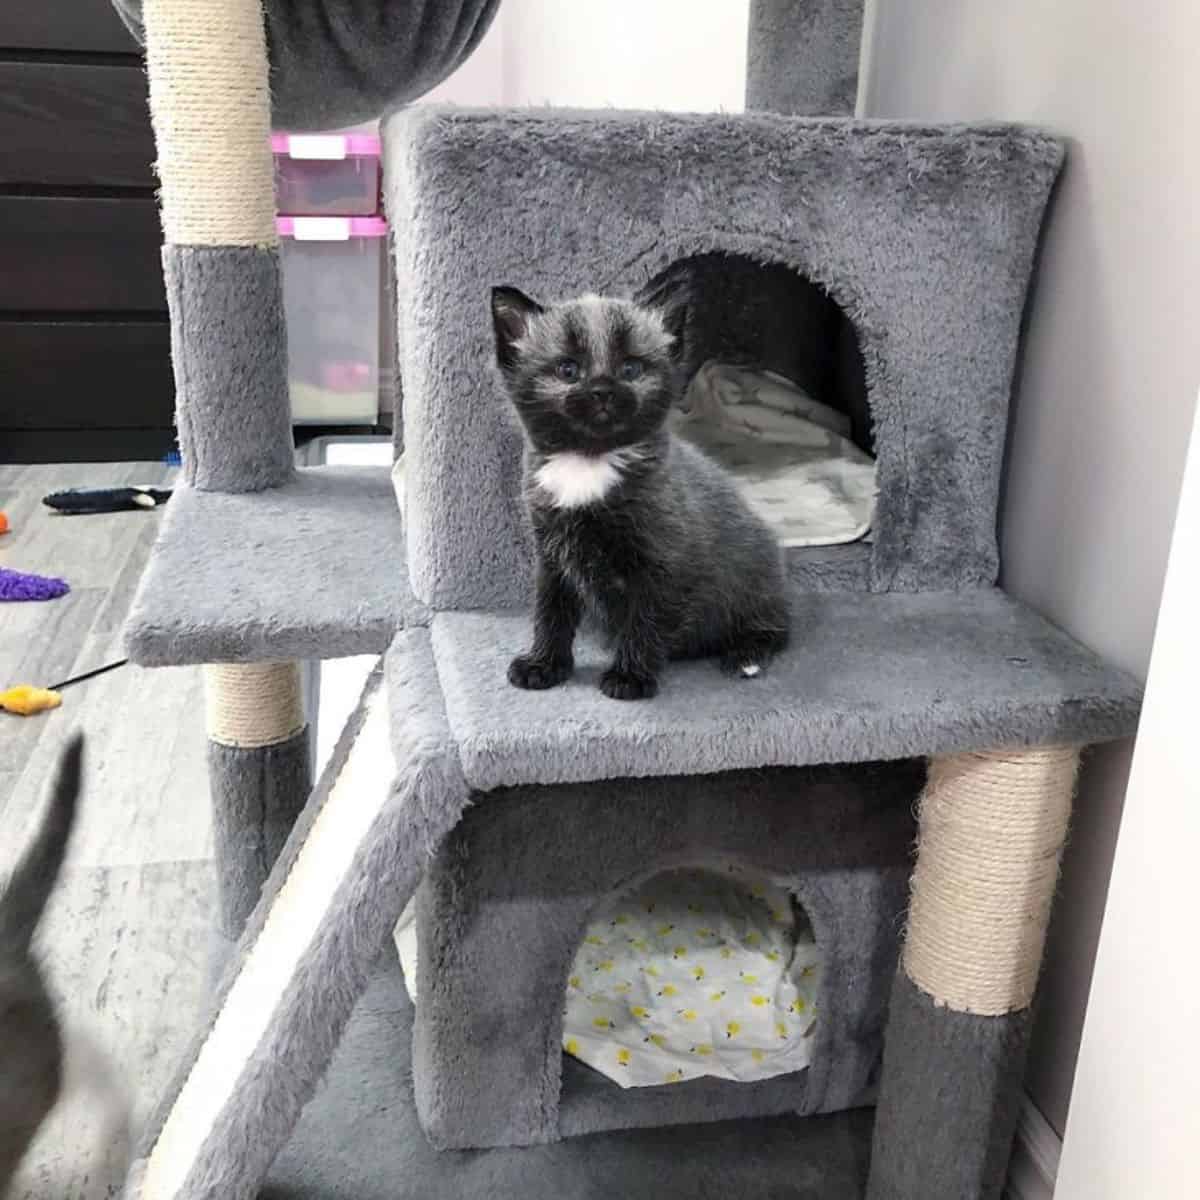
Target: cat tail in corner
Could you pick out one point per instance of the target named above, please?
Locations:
(29, 888)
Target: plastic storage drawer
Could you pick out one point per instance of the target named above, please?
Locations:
(326, 173)
(331, 298)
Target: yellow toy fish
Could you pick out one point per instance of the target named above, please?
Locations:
(25, 700)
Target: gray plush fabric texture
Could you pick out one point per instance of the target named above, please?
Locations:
(829, 568)
(229, 352)
(359, 1140)
(228, 954)
(510, 893)
(1033, 684)
(948, 1101)
(303, 1031)
(312, 569)
(256, 796)
(342, 62)
(924, 235)
(866, 678)
(802, 56)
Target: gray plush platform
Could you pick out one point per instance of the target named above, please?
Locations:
(867, 678)
(312, 569)
(359, 1140)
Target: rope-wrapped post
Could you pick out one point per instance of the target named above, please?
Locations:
(259, 770)
(992, 828)
(210, 107)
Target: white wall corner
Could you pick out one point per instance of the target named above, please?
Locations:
(1033, 1168)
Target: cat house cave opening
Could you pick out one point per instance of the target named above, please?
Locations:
(776, 392)
(695, 973)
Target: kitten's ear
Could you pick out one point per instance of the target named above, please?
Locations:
(511, 313)
(671, 297)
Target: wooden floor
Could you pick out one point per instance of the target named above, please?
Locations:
(126, 938)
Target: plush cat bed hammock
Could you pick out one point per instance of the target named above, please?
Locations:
(880, 268)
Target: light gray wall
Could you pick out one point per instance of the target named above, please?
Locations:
(1108, 384)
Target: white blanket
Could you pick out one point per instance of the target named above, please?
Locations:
(792, 454)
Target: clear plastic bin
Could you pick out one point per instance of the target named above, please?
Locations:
(332, 269)
(326, 173)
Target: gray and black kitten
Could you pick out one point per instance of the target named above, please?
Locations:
(632, 525)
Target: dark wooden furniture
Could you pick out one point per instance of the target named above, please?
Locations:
(85, 369)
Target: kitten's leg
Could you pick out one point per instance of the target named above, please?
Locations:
(748, 652)
(641, 652)
(555, 620)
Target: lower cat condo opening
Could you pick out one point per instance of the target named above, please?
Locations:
(694, 973)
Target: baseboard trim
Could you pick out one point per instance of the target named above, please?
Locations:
(1033, 1169)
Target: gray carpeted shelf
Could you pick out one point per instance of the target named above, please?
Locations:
(313, 569)
(359, 1140)
(867, 678)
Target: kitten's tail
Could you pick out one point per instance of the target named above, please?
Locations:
(29, 889)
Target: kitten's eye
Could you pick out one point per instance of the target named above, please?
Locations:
(631, 369)
(567, 370)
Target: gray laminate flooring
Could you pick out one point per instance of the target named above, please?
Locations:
(126, 938)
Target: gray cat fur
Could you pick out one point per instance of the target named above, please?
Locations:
(802, 56)
(342, 62)
(924, 235)
(673, 561)
(512, 888)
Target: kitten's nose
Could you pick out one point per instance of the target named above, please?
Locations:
(602, 402)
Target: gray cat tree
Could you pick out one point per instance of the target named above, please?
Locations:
(884, 265)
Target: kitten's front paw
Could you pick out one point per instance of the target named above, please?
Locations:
(536, 675)
(623, 685)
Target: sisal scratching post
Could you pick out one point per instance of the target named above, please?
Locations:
(992, 828)
(210, 107)
(259, 772)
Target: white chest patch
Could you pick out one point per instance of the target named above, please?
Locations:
(575, 480)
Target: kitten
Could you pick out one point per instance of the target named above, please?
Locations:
(36, 1063)
(632, 525)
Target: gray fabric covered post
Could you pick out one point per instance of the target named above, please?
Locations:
(229, 350)
(259, 772)
(802, 56)
(992, 827)
(210, 108)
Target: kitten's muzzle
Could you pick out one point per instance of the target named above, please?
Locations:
(601, 406)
